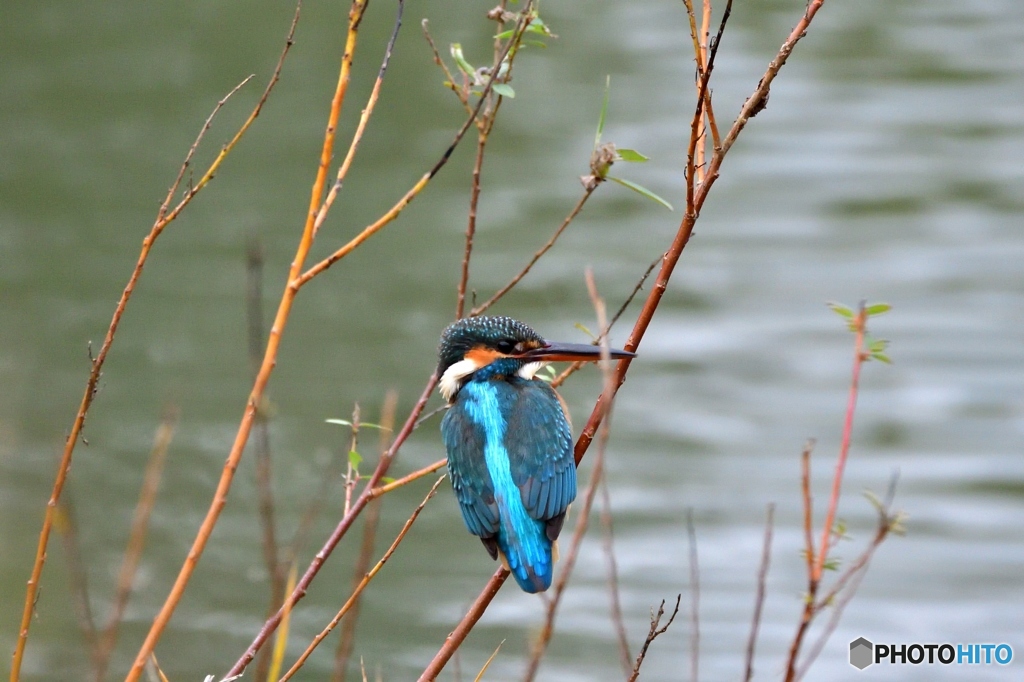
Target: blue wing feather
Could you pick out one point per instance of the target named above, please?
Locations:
(539, 445)
(464, 440)
(511, 463)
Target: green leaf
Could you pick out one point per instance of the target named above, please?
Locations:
(874, 500)
(504, 89)
(878, 309)
(362, 425)
(882, 357)
(642, 190)
(535, 43)
(840, 309)
(583, 328)
(354, 458)
(604, 110)
(387, 479)
(340, 422)
(631, 155)
(505, 35)
(465, 66)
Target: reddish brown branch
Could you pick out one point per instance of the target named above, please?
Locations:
(582, 522)
(816, 565)
(409, 478)
(348, 628)
(164, 218)
(668, 264)
(336, 535)
(361, 585)
(860, 323)
(458, 635)
(263, 376)
(296, 282)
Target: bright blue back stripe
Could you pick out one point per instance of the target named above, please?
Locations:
(522, 538)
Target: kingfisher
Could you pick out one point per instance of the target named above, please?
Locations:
(509, 443)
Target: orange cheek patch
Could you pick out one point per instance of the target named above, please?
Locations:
(482, 356)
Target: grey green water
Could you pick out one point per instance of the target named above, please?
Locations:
(887, 166)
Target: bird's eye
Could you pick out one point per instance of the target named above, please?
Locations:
(506, 346)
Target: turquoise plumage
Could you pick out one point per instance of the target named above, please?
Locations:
(510, 449)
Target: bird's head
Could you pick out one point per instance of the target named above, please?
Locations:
(485, 347)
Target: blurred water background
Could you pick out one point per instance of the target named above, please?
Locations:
(887, 166)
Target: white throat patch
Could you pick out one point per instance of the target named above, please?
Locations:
(453, 376)
(528, 371)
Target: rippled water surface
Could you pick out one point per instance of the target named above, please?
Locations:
(887, 166)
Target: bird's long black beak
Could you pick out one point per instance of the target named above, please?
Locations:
(555, 351)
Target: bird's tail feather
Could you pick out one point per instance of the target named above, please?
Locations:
(530, 562)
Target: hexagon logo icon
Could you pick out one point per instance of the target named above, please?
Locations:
(861, 653)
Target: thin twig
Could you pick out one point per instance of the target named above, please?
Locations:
(433, 413)
(582, 522)
(263, 376)
(336, 535)
(851, 579)
(576, 366)
(450, 82)
(261, 445)
(474, 197)
(392, 213)
(691, 536)
(484, 126)
(362, 585)
(409, 478)
(348, 628)
(815, 568)
(163, 219)
(668, 263)
(696, 131)
(537, 256)
(608, 543)
(701, 57)
(351, 475)
(364, 118)
(458, 635)
(78, 583)
(808, 505)
(330, 474)
(281, 641)
(759, 99)
(762, 577)
(653, 634)
(859, 358)
(137, 537)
